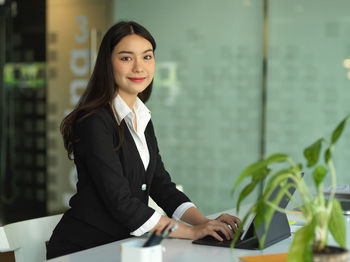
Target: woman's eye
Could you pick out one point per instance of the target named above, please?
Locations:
(125, 58)
(148, 57)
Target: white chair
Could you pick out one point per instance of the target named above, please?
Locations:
(27, 238)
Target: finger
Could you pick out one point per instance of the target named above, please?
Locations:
(165, 228)
(170, 228)
(227, 217)
(234, 226)
(238, 224)
(230, 232)
(216, 235)
(237, 221)
(224, 229)
(215, 227)
(230, 221)
(221, 217)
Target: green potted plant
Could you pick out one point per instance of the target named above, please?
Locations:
(320, 215)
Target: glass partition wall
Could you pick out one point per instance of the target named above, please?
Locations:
(308, 78)
(206, 100)
(209, 106)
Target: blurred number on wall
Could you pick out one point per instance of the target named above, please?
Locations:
(74, 31)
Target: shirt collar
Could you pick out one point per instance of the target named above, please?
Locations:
(143, 114)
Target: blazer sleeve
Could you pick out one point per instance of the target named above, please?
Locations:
(95, 150)
(163, 190)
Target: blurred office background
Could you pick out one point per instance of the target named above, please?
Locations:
(235, 80)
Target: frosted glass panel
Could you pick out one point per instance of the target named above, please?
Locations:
(308, 81)
(207, 99)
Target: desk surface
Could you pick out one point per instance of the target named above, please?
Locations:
(183, 250)
(175, 250)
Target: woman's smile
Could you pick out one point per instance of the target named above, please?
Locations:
(137, 79)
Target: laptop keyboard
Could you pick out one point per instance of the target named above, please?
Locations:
(250, 243)
(209, 240)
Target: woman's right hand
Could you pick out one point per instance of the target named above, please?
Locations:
(211, 228)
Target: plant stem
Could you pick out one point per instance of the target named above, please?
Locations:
(323, 230)
(292, 199)
(282, 210)
(334, 182)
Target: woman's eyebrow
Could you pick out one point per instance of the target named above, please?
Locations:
(130, 52)
(148, 50)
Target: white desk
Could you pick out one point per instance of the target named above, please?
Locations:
(183, 250)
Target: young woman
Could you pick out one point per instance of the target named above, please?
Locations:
(111, 136)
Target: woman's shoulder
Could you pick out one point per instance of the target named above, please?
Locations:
(150, 128)
(100, 116)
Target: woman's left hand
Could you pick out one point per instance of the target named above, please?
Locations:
(232, 221)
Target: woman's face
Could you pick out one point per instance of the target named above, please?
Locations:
(133, 65)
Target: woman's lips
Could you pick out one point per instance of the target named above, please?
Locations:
(137, 79)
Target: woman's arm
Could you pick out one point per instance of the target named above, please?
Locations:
(200, 226)
(194, 232)
(193, 216)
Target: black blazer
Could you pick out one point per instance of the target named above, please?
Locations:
(109, 194)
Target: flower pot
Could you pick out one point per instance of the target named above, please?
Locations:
(331, 254)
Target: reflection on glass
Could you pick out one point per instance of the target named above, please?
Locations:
(347, 63)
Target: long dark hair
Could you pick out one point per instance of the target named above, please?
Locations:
(101, 88)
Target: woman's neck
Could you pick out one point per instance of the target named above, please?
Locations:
(129, 99)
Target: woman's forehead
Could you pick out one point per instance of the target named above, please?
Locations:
(133, 43)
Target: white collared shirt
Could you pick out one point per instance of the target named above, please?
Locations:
(143, 116)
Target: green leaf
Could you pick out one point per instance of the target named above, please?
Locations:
(327, 155)
(335, 136)
(252, 169)
(260, 174)
(336, 224)
(300, 249)
(337, 131)
(257, 177)
(278, 157)
(312, 153)
(244, 193)
(300, 166)
(259, 168)
(259, 216)
(318, 174)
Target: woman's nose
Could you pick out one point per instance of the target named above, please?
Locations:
(137, 68)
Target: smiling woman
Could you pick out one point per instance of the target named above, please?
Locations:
(133, 66)
(111, 136)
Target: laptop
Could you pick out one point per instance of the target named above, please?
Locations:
(345, 205)
(342, 193)
(278, 230)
